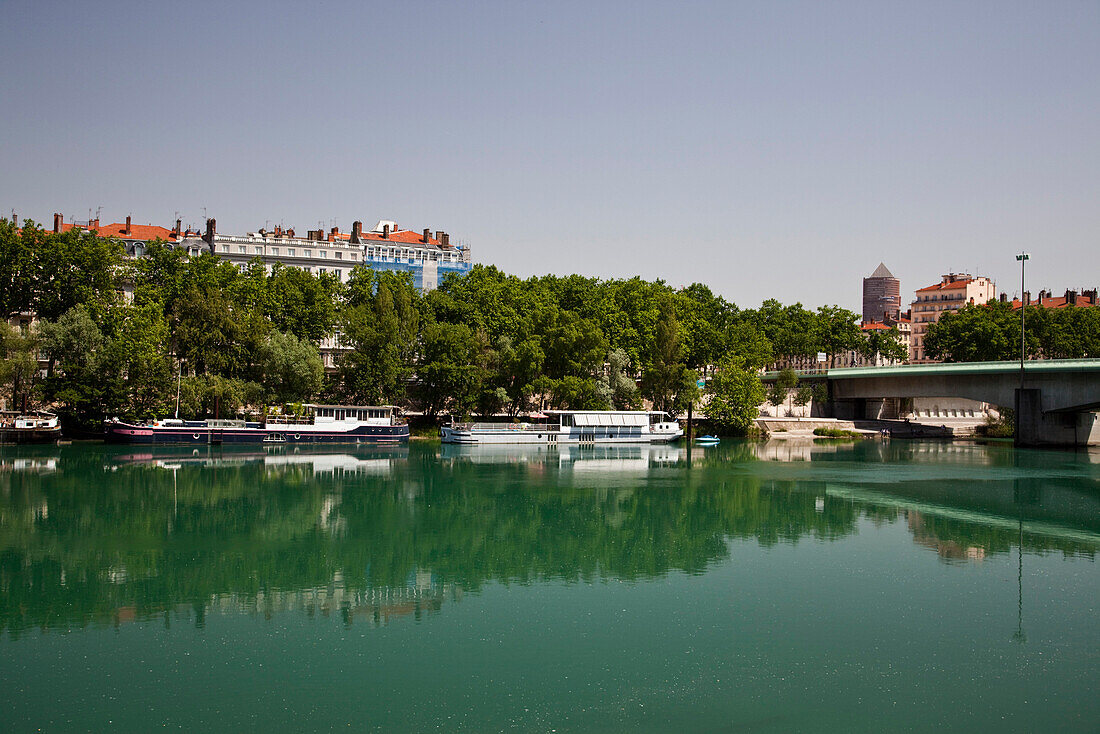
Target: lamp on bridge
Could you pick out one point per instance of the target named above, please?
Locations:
(1023, 257)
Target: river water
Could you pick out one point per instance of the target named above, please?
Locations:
(749, 587)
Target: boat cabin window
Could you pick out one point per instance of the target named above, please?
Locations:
(567, 420)
(340, 415)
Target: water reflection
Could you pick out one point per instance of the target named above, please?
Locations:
(91, 535)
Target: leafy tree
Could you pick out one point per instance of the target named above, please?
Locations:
(19, 277)
(139, 348)
(977, 333)
(206, 331)
(519, 369)
(735, 396)
(836, 331)
(885, 343)
(820, 394)
(76, 267)
(18, 363)
(578, 393)
(621, 389)
(380, 324)
(448, 373)
(776, 396)
(291, 367)
(785, 381)
(302, 304)
(802, 396)
(665, 378)
(79, 370)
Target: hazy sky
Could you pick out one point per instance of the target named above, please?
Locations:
(769, 149)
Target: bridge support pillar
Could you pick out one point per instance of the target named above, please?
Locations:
(1036, 428)
(1029, 417)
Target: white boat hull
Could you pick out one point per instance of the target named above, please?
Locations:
(530, 437)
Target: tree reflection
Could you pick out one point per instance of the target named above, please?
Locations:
(93, 537)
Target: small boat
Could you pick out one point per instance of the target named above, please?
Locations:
(33, 427)
(585, 427)
(707, 440)
(321, 424)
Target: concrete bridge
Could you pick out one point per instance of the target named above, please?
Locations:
(1055, 400)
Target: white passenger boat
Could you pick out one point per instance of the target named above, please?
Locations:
(573, 427)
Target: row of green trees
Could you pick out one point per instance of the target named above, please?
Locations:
(484, 343)
(991, 332)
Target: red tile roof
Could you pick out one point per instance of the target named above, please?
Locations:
(1056, 302)
(402, 236)
(145, 232)
(947, 286)
(873, 325)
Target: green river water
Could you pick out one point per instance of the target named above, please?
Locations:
(748, 587)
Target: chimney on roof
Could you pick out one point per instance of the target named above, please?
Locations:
(1090, 296)
(57, 220)
(211, 230)
(356, 232)
(15, 220)
(332, 234)
(177, 230)
(385, 231)
(427, 235)
(290, 232)
(439, 235)
(1027, 298)
(446, 240)
(127, 232)
(1071, 298)
(1004, 297)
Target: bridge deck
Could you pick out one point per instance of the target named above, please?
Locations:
(1034, 366)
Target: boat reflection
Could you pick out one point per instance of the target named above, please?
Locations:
(321, 459)
(627, 457)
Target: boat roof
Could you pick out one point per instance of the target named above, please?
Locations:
(606, 412)
(594, 418)
(350, 407)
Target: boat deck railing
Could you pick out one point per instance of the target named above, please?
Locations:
(543, 427)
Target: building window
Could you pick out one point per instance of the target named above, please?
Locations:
(338, 273)
(290, 251)
(243, 250)
(322, 253)
(223, 248)
(308, 253)
(259, 250)
(274, 250)
(339, 255)
(320, 271)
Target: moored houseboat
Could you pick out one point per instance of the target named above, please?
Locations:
(33, 427)
(320, 424)
(571, 426)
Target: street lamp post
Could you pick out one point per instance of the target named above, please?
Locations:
(1023, 257)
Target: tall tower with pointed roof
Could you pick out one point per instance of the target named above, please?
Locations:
(881, 295)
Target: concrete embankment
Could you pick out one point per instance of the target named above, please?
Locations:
(803, 427)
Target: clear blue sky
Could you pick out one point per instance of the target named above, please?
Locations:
(767, 149)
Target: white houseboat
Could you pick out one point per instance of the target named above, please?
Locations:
(573, 427)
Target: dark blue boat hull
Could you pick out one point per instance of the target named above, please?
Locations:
(201, 434)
